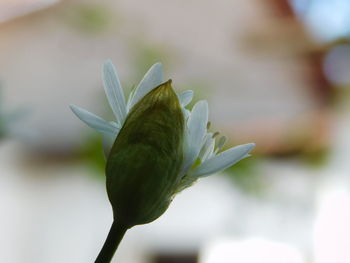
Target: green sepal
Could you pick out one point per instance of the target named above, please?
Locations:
(143, 166)
(185, 182)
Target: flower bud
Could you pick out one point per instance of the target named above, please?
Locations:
(143, 165)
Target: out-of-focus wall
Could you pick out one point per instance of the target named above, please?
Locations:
(53, 57)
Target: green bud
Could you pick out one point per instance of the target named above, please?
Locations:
(153, 156)
(143, 166)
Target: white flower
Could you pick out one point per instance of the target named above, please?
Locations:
(116, 99)
(202, 155)
(159, 151)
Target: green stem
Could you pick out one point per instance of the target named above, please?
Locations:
(114, 237)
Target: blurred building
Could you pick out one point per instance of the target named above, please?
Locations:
(255, 61)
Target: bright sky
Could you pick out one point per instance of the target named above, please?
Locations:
(327, 19)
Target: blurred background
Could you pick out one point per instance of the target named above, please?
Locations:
(275, 72)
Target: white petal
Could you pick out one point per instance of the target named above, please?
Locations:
(108, 141)
(186, 113)
(185, 97)
(222, 160)
(207, 148)
(94, 121)
(116, 125)
(152, 79)
(114, 91)
(131, 95)
(196, 130)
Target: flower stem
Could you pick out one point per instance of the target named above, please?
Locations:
(114, 237)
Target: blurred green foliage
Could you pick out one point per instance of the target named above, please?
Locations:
(245, 175)
(316, 159)
(90, 18)
(91, 153)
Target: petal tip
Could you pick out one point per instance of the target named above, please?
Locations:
(158, 64)
(201, 103)
(107, 62)
(107, 65)
(73, 107)
(251, 146)
(248, 147)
